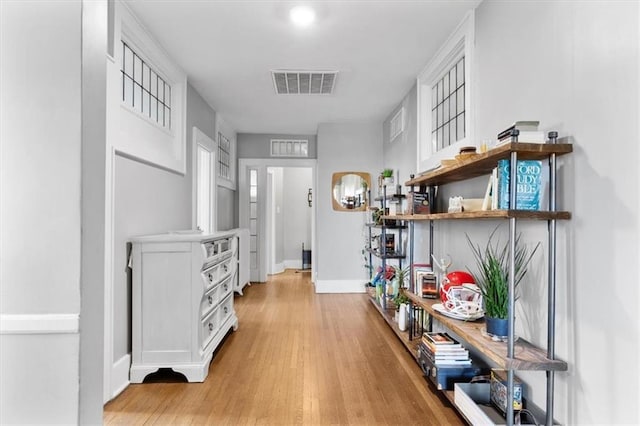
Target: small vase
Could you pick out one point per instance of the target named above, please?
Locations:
(497, 326)
(402, 317)
(388, 181)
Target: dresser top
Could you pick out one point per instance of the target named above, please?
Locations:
(182, 236)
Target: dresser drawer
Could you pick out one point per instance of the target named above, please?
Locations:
(210, 300)
(226, 286)
(209, 328)
(226, 308)
(210, 277)
(218, 272)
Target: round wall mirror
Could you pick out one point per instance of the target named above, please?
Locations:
(350, 191)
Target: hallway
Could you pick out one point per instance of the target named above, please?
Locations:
(296, 358)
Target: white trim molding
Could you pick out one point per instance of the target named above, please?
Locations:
(39, 323)
(120, 376)
(340, 286)
(134, 135)
(460, 44)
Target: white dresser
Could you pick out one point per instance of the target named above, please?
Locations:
(182, 301)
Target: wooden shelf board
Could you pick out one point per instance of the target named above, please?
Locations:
(387, 256)
(488, 214)
(527, 356)
(483, 164)
(387, 314)
(391, 197)
(374, 225)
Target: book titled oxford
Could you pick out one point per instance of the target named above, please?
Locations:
(528, 184)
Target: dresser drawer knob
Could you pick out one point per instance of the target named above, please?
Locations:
(225, 267)
(210, 326)
(226, 309)
(210, 299)
(226, 287)
(210, 277)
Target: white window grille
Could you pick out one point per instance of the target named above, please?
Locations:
(143, 90)
(224, 157)
(445, 104)
(289, 148)
(396, 125)
(448, 107)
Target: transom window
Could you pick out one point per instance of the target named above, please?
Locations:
(224, 157)
(447, 113)
(143, 90)
(289, 148)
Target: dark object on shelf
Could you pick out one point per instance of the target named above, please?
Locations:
(390, 243)
(419, 202)
(429, 285)
(306, 258)
(445, 377)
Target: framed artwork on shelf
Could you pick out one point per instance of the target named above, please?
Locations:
(424, 280)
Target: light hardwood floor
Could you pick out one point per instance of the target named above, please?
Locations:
(298, 358)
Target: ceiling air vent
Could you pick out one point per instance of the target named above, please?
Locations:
(304, 82)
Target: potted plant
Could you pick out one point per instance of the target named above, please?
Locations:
(387, 175)
(493, 279)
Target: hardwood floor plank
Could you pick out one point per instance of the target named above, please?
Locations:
(297, 358)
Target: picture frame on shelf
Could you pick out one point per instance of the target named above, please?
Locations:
(424, 279)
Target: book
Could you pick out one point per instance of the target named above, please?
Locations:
(448, 356)
(528, 185)
(522, 126)
(439, 338)
(418, 202)
(525, 137)
(452, 363)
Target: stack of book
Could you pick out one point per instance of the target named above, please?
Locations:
(521, 131)
(444, 351)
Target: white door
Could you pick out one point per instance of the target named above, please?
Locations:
(251, 199)
(204, 182)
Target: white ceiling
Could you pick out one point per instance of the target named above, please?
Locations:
(228, 49)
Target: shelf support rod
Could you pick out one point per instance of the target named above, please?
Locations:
(513, 166)
(383, 249)
(551, 298)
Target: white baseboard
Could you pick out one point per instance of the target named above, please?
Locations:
(120, 375)
(340, 286)
(293, 264)
(278, 268)
(39, 323)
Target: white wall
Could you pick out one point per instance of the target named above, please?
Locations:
(296, 214)
(577, 72)
(339, 236)
(40, 224)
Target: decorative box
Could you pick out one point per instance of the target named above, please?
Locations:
(499, 391)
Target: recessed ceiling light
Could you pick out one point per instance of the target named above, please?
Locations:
(302, 16)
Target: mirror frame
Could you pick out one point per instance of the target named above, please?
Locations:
(337, 177)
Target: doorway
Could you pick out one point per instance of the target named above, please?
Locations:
(258, 214)
(289, 217)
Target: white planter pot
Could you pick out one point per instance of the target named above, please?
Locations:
(402, 317)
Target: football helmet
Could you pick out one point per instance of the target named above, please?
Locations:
(459, 294)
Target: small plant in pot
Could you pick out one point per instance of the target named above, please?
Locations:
(493, 278)
(387, 175)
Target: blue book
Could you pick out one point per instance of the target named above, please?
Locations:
(528, 185)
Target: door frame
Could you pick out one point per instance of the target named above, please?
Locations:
(261, 164)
